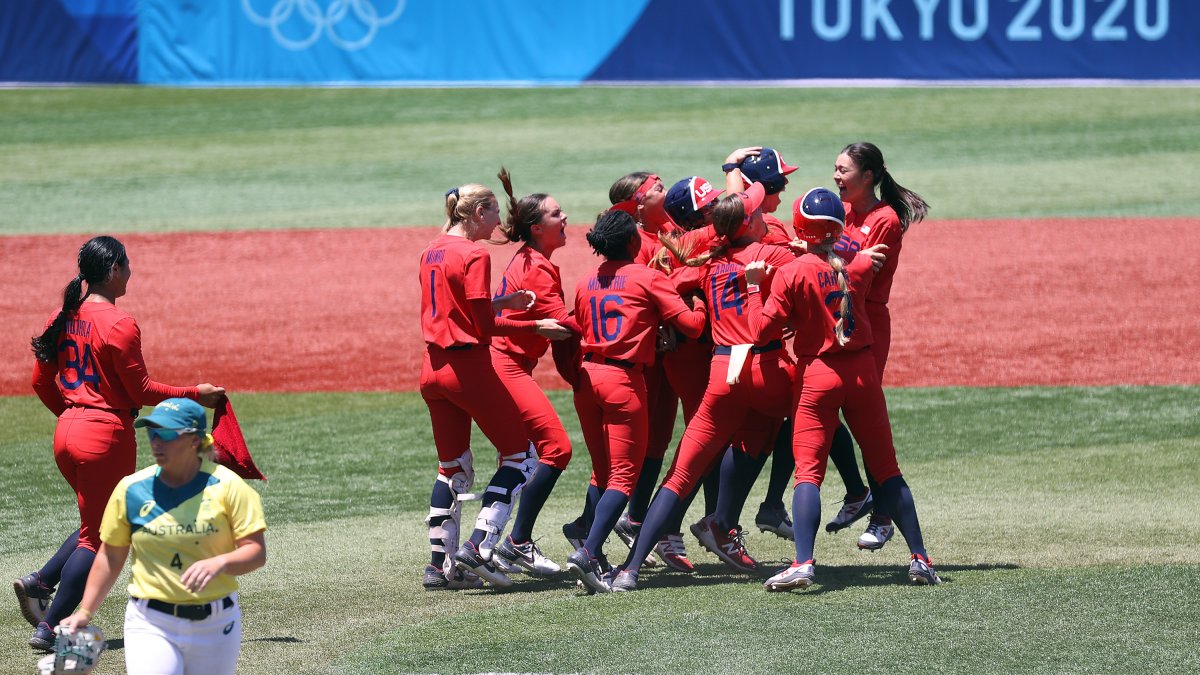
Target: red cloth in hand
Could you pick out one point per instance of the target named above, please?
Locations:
(229, 445)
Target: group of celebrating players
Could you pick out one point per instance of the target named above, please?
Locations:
(693, 304)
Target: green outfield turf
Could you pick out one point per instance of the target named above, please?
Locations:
(147, 159)
(1062, 521)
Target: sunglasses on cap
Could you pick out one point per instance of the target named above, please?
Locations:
(167, 434)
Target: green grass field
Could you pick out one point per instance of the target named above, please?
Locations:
(1062, 519)
(128, 159)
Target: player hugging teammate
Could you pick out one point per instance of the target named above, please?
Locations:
(764, 336)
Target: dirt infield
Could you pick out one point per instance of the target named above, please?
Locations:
(976, 303)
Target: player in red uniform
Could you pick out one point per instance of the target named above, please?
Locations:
(765, 165)
(870, 220)
(641, 194)
(540, 223)
(748, 392)
(459, 384)
(619, 307)
(823, 299)
(91, 375)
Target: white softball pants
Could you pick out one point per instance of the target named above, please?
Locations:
(157, 643)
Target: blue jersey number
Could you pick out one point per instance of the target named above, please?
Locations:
(78, 362)
(601, 315)
(503, 291)
(433, 292)
(834, 301)
(729, 297)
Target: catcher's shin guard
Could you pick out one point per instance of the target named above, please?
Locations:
(444, 520)
(506, 487)
(75, 651)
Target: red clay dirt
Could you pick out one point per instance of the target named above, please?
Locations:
(976, 303)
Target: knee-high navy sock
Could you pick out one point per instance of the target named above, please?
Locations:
(841, 453)
(505, 481)
(879, 510)
(738, 471)
(653, 527)
(441, 498)
(675, 523)
(806, 517)
(533, 497)
(712, 488)
(783, 466)
(70, 587)
(51, 572)
(608, 510)
(898, 500)
(639, 501)
(589, 505)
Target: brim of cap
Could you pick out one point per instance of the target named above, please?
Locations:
(157, 423)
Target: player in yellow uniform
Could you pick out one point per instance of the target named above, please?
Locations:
(193, 526)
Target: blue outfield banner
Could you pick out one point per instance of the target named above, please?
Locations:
(186, 42)
(68, 41)
(911, 39)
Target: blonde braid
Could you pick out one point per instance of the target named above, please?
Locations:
(847, 305)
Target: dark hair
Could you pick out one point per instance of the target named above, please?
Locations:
(522, 214)
(96, 260)
(908, 205)
(610, 235)
(626, 186)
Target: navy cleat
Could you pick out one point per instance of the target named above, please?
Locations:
(34, 597)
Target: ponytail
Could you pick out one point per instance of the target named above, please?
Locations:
(908, 205)
(96, 260)
(522, 214)
(682, 247)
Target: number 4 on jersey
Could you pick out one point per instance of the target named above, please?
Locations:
(730, 296)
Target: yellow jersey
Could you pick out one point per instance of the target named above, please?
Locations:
(168, 528)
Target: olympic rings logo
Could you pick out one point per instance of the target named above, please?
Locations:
(327, 21)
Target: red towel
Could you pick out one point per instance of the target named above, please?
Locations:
(229, 445)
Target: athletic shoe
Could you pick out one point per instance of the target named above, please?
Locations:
(627, 532)
(468, 559)
(43, 638)
(775, 519)
(852, 509)
(799, 575)
(672, 551)
(575, 533)
(878, 533)
(527, 556)
(625, 582)
(435, 579)
(34, 597)
(920, 571)
(587, 569)
(729, 546)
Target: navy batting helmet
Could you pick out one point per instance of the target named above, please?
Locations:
(768, 168)
(819, 217)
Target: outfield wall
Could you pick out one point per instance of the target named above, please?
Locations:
(173, 42)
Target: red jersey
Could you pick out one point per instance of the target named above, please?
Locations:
(805, 295)
(651, 243)
(620, 307)
(454, 271)
(529, 270)
(777, 232)
(100, 365)
(723, 282)
(880, 225)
